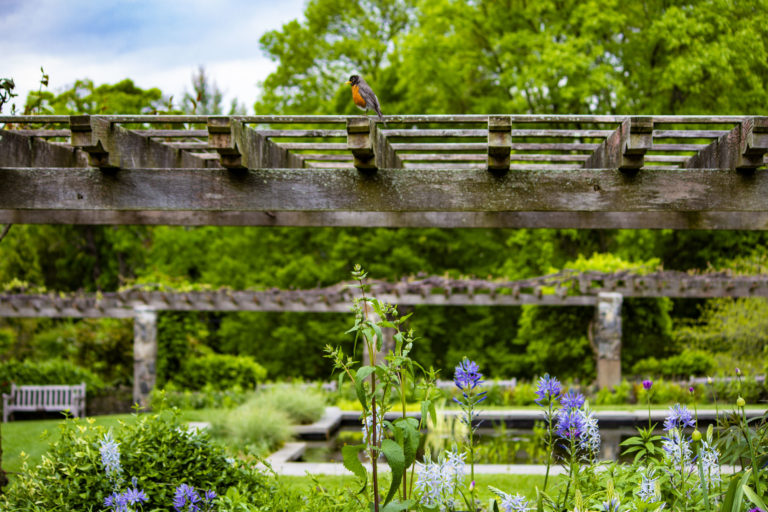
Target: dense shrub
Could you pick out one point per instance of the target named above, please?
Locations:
(620, 394)
(687, 363)
(219, 371)
(53, 371)
(156, 449)
(207, 398)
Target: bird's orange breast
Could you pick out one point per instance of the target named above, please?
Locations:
(359, 100)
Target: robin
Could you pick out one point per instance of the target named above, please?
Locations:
(364, 97)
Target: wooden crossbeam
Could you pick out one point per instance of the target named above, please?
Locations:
(570, 290)
(743, 147)
(625, 148)
(598, 198)
(241, 147)
(17, 150)
(109, 146)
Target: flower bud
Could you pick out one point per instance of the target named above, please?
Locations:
(472, 486)
(709, 380)
(740, 402)
(647, 384)
(696, 435)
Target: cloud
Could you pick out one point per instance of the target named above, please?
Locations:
(157, 44)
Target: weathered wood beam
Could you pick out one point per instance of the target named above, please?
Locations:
(499, 143)
(18, 150)
(110, 146)
(695, 199)
(241, 147)
(360, 142)
(710, 220)
(625, 148)
(742, 148)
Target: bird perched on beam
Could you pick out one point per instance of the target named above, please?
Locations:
(364, 97)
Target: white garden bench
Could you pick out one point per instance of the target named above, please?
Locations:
(45, 398)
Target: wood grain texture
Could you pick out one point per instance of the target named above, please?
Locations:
(693, 199)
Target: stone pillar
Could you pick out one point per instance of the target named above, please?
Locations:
(607, 339)
(144, 353)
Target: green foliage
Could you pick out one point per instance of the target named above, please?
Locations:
(84, 97)
(615, 396)
(524, 394)
(180, 336)
(738, 327)
(302, 404)
(205, 399)
(254, 428)
(53, 371)
(686, 364)
(156, 449)
(219, 371)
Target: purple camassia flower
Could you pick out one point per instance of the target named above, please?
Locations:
(647, 384)
(547, 389)
(186, 498)
(209, 495)
(756, 509)
(679, 417)
(120, 502)
(570, 424)
(572, 400)
(467, 375)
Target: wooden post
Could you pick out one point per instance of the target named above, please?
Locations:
(625, 148)
(499, 142)
(742, 148)
(144, 354)
(360, 143)
(607, 339)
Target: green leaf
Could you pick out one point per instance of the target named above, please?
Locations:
(754, 498)
(408, 437)
(353, 464)
(379, 336)
(396, 460)
(733, 497)
(362, 373)
(398, 506)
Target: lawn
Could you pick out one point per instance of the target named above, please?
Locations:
(522, 484)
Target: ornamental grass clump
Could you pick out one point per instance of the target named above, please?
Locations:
(302, 404)
(254, 427)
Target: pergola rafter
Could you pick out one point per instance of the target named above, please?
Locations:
(685, 172)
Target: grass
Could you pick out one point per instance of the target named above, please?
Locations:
(522, 484)
(32, 437)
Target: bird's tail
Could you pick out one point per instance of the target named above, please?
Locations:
(381, 117)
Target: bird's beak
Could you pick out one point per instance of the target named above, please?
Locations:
(348, 82)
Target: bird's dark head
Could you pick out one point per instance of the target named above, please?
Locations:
(353, 80)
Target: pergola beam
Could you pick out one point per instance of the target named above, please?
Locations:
(741, 148)
(625, 147)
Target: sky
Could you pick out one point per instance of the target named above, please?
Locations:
(157, 43)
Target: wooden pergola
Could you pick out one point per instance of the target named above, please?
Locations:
(681, 172)
(604, 292)
(471, 171)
